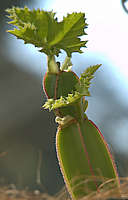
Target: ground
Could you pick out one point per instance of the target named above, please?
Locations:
(11, 193)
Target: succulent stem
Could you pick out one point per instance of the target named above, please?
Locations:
(52, 65)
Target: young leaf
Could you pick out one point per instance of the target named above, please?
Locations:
(85, 80)
(52, 104)
(71, 28)
(42, 29)
(37, 27)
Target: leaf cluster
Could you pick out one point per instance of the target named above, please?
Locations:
(42, 29)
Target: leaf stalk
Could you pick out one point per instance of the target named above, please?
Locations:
(52, 65)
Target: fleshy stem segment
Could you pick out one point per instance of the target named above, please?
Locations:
(52, 65)
(84, 157)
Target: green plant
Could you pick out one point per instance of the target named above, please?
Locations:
(84, 157)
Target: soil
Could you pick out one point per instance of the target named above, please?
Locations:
(14, 194)
(11, 193)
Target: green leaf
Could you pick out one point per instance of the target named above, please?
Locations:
(52, 104)
(85, 80)
(71, 28)
(37, 27)
(42, 29)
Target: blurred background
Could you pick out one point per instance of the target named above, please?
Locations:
(26, 132)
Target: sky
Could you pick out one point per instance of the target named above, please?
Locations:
(107, 35)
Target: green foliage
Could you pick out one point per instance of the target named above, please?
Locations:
(85, 80)
(52, 104)
(42, 29)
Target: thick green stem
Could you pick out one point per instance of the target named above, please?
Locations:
(52, 65)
